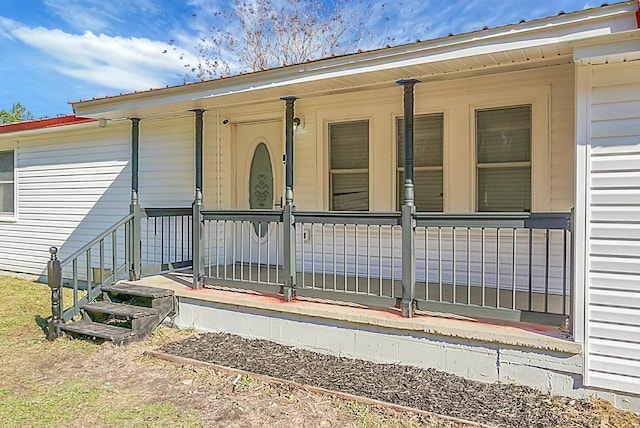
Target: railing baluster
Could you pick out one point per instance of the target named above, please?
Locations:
(208, 248)
(312, 238)
(513, 273)
(530, 269)
(393, 264)
(278, 226)
(482, 263)
(355, 244)
(234, 249)
(101, 262)
(380, 263)
(546, 271)
(453, 267)
(114, 255)
(303, 271)
(468, 265)
(564, 272)
(335, 273)
(368, 259)
(89, 278)
(344, 256)
(74, 266)
(426, 263)
(324, 268)
(497, 267)
(439, 264)
(270, 227)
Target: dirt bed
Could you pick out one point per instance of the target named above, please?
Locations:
(429, 390)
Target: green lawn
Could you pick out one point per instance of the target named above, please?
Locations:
(45, 384)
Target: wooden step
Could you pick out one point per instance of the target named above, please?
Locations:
(120, 310)
(137, 290)
(117, 335)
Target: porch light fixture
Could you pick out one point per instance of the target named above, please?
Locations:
(298, 123)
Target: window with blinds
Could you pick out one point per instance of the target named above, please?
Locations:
(7, 183)
(428, 136)
(503, 159)
(349, 171)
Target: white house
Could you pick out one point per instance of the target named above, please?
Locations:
(295, 177)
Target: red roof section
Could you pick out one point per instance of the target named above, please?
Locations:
(43, 123)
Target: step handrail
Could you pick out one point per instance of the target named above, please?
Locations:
(96, 240)
(55, 280)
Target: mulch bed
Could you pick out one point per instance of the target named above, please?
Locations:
(429, 390)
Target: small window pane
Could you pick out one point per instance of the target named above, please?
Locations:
(504, 189)
(428, 134)
(504, 135)
(6, 166)
(427, 190)
(350, 192)
(6, 198)
(349, 144)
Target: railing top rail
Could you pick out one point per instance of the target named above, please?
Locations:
(243, 215)
(349, 217)
(96, 240)
(165, 212)
(556, 220)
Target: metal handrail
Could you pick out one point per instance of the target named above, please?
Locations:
(95, 241)
(243, 215)
(165, 212)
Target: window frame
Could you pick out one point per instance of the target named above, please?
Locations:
(509, 164)
(331, 172)
(539, 98)
(12, 217)
(397, 189)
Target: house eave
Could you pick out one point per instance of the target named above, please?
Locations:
(537, 42)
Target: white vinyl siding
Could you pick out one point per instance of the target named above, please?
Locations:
(428, 139)
(349, 175)
(7, 183)
(613, 228)
(73, 183)
(503, 159)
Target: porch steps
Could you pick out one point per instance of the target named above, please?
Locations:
(125, 313)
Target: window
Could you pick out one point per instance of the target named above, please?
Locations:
(349, 173)
(7, 183)
(503, 143)
(428, 135)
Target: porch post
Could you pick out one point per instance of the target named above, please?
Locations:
(287, 211)
(135, 264)
(198, 225)
(408, 207)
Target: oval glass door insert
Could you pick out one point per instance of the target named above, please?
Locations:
(261, 186)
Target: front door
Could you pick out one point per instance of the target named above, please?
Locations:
(259, 185)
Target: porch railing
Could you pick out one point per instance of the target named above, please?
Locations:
(165, 239)
(496, 265)
(103, 261)
(502, 265)
(155, 240)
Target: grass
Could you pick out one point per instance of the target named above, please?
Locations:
(69, 383)
(38, 384)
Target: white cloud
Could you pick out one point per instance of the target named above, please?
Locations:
(121, 63)
(98, 15)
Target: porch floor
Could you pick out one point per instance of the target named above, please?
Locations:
(510, 333)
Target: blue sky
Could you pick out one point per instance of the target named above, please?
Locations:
(56, 51)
